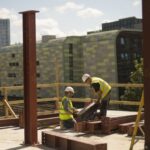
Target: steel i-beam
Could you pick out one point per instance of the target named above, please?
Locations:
(146, 54)
(29, 55)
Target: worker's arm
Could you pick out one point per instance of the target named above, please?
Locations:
(97, 90)
(99, 93)
(66, 106)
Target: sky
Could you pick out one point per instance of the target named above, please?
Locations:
(67, 17)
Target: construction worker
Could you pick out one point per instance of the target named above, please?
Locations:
(102, 90)
(67, 110)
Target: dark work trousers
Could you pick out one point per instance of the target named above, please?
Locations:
(104, 105)
(68, 123)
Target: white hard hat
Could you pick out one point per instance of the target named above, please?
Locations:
(85, 77)
(69, 89)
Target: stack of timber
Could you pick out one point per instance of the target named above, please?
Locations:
(112, 123)
(54, 139)
(88, 121)
(9, 122)
(44, 119)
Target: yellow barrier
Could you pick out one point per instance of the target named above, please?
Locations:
(6, 89)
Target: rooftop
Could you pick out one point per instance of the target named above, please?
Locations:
(12, 137)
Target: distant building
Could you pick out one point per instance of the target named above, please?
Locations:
(4, 32)
(124, 23)
(109, 55)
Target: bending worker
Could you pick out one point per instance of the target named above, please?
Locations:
(67, 110)
(102, 89)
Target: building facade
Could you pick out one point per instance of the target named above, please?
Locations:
(104, 54)
(124, 23)
(4, 32)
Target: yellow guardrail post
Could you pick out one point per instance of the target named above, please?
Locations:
(57, 86)
(137, 122)
(7, 106)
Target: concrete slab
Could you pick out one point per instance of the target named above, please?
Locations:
(11, 138)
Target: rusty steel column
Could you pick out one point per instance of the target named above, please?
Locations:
(29, 55)
(146, 54)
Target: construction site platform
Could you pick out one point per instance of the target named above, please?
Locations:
(12, 138)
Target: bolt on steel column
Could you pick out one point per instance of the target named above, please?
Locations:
(146, 54)
(29, 55)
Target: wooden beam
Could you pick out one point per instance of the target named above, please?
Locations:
(9, 107)
(63, 142)
(112, 102)
(114, 85)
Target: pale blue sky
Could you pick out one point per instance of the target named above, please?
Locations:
(67, 17)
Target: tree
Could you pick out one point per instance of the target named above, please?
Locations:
(136, 76)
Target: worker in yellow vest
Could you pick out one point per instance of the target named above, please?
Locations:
(66, 109)
(102, 90)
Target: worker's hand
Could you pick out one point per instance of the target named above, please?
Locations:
(75, 111)
(92, 100)
(98, 101)
(74, 121)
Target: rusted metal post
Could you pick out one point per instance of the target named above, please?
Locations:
(146, 54)
(29, 54)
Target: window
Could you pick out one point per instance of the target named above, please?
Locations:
(12, 75)
(122, 55)
(71, 61)
(71, 75)
(37, 63)
(134, 55)
(71, 48)
(126, 56)
(122, 41)
(13, 55)
(38, 75)
(17, 84)
(14, 64)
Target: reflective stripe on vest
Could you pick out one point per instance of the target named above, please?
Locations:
(104, 86)
(64, 115)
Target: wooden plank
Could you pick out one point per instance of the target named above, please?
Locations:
(44, 118)
(15, 102)
(9, 107)
(60, 141)
(82, 100)
(72, 84)
(124, 102)
(109, 124)
(131, 129)
(9, 122)
(80, 126)
(93, 126)
(48, 121)
(123, 128)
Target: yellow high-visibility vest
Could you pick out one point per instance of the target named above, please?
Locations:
(104, 86)
(64, 115)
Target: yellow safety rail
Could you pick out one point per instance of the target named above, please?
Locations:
(6, 90)
(137, 122)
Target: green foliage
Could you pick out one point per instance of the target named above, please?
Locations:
(135, 77)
